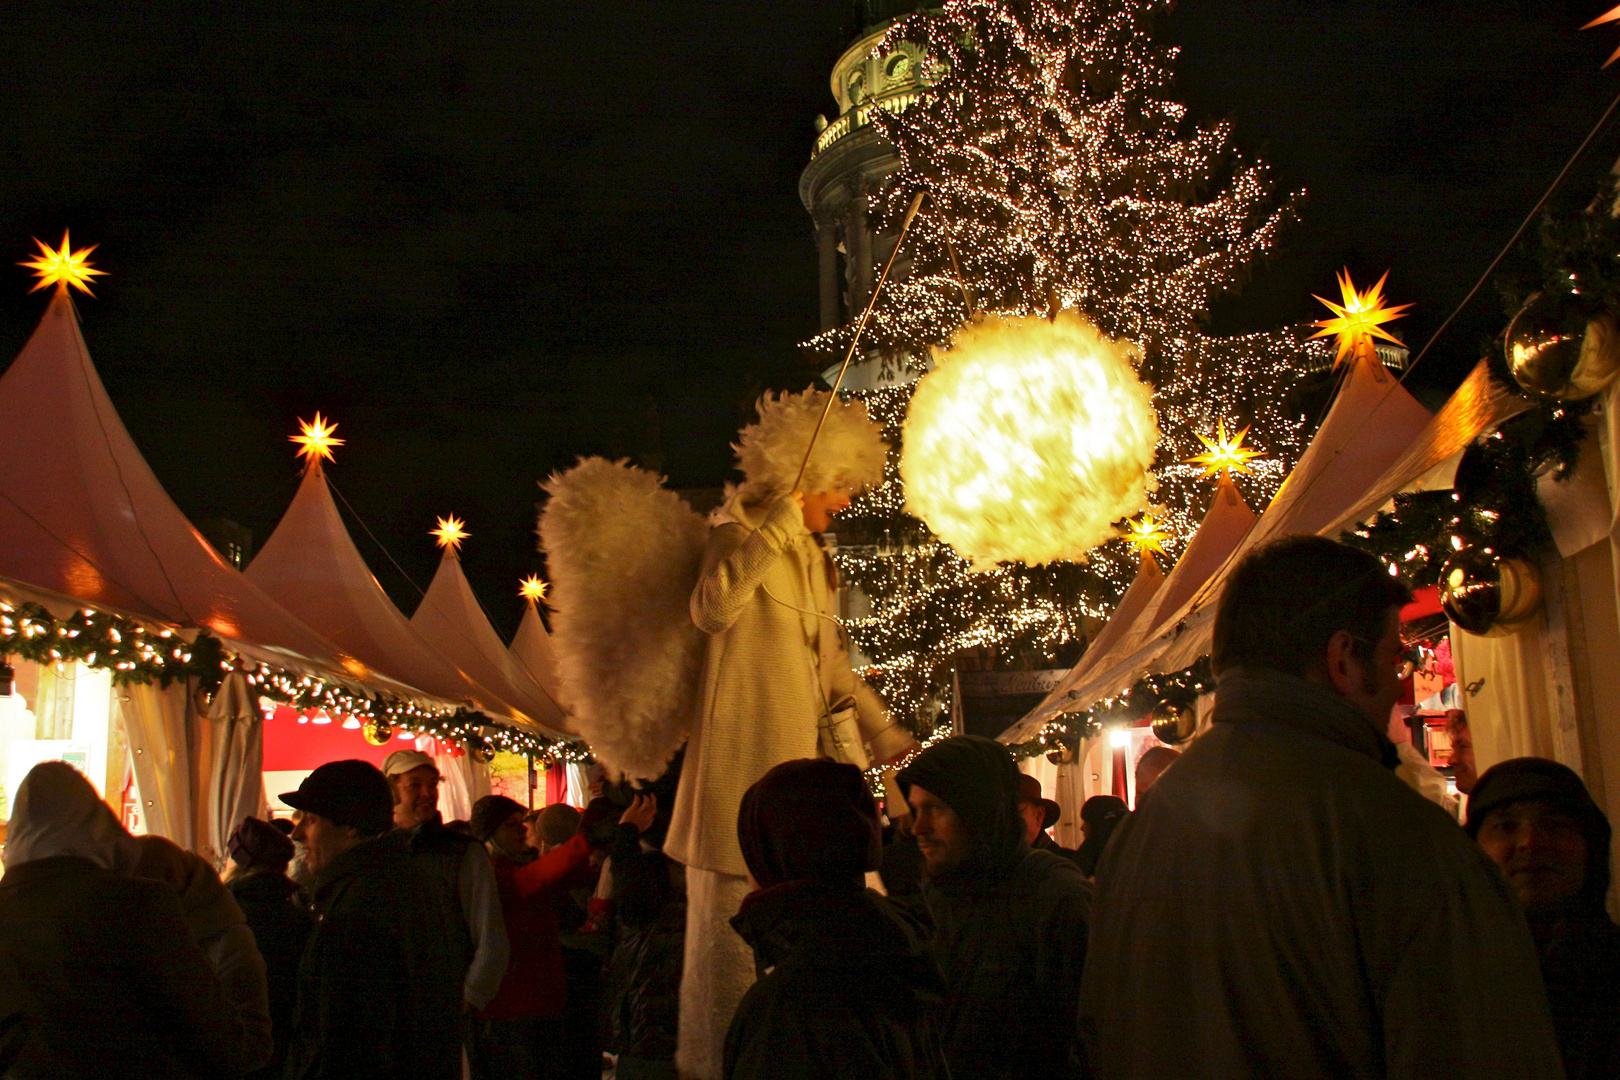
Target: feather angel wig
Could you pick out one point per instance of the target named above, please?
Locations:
(850, 450)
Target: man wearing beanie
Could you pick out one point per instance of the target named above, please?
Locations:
(1536, 821)
(847, 993)
(1282, 904)
(379, 987)
(520, 1034)
(1010, 921)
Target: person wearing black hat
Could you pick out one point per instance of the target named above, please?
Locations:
(379, 986)
(1536, 821)
(1099, 816)
(846, 992)
(1009, 919)
(280, 926)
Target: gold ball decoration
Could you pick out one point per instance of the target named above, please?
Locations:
(480, 753)
(1174, 723)
(1486, 595)
(1061, 755)
(1563, 346)
(377, 732)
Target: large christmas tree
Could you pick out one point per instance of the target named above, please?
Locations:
(1058, 175)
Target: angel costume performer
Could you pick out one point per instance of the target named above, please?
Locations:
(776, 682)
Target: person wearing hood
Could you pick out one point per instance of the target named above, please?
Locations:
(219, 927)
(261, 853)
(1009, 920)
(846, 994)
(1282, 895)
(380, 983)
(1536, 821)
(776, 682)
(100, 972)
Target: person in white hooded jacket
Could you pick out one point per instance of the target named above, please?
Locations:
(100, 974)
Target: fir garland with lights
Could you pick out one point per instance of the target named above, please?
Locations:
(1058, 175)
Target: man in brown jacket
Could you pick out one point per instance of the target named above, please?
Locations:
(1283, 906)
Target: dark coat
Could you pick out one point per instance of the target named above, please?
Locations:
(99, 977)
(1580, 964)
(379, 988)
(281, 930)
(847, 994)
(644, 973)
(1012, 946)
(1281, 905)
(1044, 842)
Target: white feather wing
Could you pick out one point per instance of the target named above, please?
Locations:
(624, 553)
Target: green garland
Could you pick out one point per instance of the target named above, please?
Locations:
(136, 655)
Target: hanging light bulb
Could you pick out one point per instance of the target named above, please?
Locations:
(320, 717)
(351, 723)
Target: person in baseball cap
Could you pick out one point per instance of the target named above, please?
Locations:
(339, 804)
(413, 778)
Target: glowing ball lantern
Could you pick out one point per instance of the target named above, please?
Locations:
(1029, 441)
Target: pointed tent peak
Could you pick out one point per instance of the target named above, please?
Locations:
(63, 268)
(449, 534)
(533, 589)
(1146, 535)
(315, 439)
(1359, 317)
(1223, 456)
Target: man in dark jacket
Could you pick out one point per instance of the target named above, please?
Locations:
(1537, 821)
(379, 989)
(845, 992)
(1039, 814)
(1009, 921)
(1297, 908)
(280, 927)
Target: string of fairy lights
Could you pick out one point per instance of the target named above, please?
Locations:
(1059, 175)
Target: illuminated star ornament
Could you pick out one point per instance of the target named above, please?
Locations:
(63, 268)
(533, 589)
(1359, 319)
(1223, 456)
(1612, 15)
(1146, 535)
(450, 533)
(316, 440)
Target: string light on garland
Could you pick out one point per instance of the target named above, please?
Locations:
(316, 439)
(63, 268)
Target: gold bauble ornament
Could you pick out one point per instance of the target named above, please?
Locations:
(1486, 595)
(1563, 346)
(1173, 723)
(1061, 755)
(377, 732)
(480, 753)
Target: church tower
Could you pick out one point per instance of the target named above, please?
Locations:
(850, 160)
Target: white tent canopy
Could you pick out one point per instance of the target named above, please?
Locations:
(532, 648)
(311, 566)
(450, 619)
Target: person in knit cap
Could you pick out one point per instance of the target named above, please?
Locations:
(520, 1032)
(380, 982)
(1537, 821)
(847, 992)
(1010, 920)
(100, 972)
(260, 853)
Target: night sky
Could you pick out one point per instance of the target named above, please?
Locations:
(490, 237)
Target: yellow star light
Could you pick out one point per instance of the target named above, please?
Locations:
(532, 588)
(1146, 535)
(450, 532)
(1609, 16)
(63, 268)
(1358, 318)
(316, 440)
(1224, 456)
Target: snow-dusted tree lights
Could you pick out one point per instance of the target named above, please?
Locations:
(1059, 176)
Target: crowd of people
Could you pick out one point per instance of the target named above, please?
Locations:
(1278, 904)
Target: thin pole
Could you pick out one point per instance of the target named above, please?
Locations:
(855, 338)
(956, 267)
